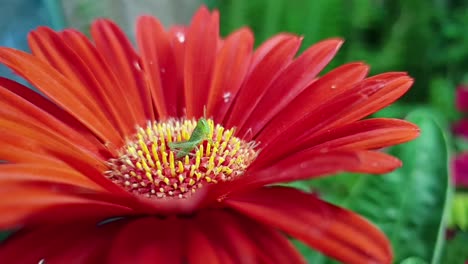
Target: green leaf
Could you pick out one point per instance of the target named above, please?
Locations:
(409, 203)
(455, 251)
(413, 260)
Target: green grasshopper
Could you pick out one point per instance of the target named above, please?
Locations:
(199, 134)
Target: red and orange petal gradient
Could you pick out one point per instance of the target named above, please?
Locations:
(91, 175)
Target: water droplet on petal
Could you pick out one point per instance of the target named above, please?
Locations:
(180, 37)
(137, 65)
(227, 97)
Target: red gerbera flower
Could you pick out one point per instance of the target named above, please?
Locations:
(92, 174)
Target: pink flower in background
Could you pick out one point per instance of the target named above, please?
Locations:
(460, 164)
(460, 170)
(461, 128)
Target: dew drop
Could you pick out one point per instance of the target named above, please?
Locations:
(227, 97)
(137, 65)
(180, 37)
(333, 86)
(163, 70)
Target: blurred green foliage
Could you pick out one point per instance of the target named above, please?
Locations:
(456, 250)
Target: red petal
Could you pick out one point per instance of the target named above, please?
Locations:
(48, 45)
(225, 234)
(229, 72)
(317, 95)
(23, 204)
(47, 172)
(43, 140)
(76, 242)
(376, 162)
(97, 212)
(302, 165)
(333, 231)
(269, 45)
(200, 51)
(291, 82)
(21, 152)
(148, 240)
(353, 104)
(28, 106)
(261, 77)
(177, 36)
(366, 134)
(272, 246)
(279, 248)
(341, 79)
(118, 52)
(62, 91)
(152, 42)
(109, 82)
(244, 240)
(392, 86)
(201, 250)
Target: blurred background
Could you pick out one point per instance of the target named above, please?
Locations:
(419, 207)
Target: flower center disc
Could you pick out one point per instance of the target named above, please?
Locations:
(148, 166)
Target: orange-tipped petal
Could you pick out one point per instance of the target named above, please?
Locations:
(48, 45)
(63, 92)
(26, 106)
(117, 100)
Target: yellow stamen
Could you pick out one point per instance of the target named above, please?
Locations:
(180, 166)
(171, 163)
